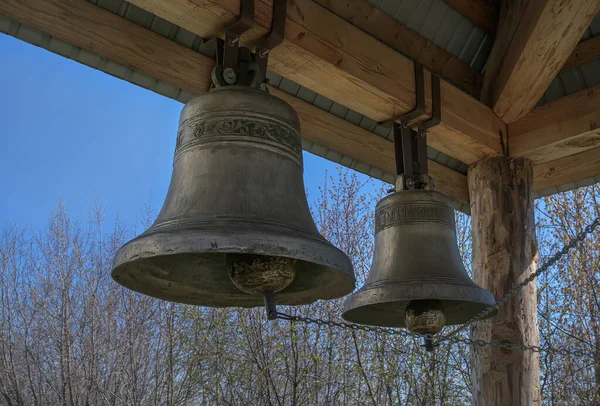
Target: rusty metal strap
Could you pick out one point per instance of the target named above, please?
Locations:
(233, 63)
(233, 33)
(436, 113)
(420, 108)
(274, 38)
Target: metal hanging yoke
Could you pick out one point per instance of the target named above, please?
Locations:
(410, 146)
(237, 65)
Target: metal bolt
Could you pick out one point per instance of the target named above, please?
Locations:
(263, 53)
(263, 87)
(229, 75)
(233, 41)
(410, 183)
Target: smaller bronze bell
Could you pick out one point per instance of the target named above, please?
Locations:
(417, 279)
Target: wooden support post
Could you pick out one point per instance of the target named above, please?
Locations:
(504, 253)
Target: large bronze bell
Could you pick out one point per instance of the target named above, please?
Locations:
(235, 222)
(417, 278)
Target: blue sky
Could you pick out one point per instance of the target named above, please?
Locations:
(69, 130)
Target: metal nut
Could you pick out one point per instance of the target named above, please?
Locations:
(229, 76)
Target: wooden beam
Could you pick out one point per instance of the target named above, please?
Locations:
(585, 52)
(535, 39)
(85, 25)
(482, 13)
(410, 43)
(563, 127)
(567, 169)
(327, 54)
(510, 15)
(90, 27)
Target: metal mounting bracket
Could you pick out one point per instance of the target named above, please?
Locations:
(233, 34)
(410, 146)
(420, 100)
(237, 65)
(270, 307)
(410, 152)
(420, 108)
(436, 107)
(274, 38)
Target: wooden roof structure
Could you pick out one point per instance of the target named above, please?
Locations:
(522, 80)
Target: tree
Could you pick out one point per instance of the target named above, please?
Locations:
(569, 299)
(69, 335)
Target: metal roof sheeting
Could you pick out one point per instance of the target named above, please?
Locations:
(442, 25)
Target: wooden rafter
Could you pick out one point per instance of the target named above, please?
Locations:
(482, 13)
(329, 55)
(585, 52)
(563, 127)
(410, 43)
(533, 41)
(85, 25)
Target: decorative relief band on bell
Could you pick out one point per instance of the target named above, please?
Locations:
(198, 128)
(413, 212)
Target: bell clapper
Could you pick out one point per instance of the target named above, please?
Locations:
(425, 316)
(262, 275)
(256, 274)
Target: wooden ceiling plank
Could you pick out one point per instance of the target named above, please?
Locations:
(563, 127)
(567, 169)
(482, 13)
(534, 40)
(410, 43)
(585, 52)
(85, 25)
(329, 55)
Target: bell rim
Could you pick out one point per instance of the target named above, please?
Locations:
(168, 243)
(365, 305)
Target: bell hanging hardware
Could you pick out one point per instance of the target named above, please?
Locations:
(237, 65)
(417, 279)
(235, 228)
(410, 146)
